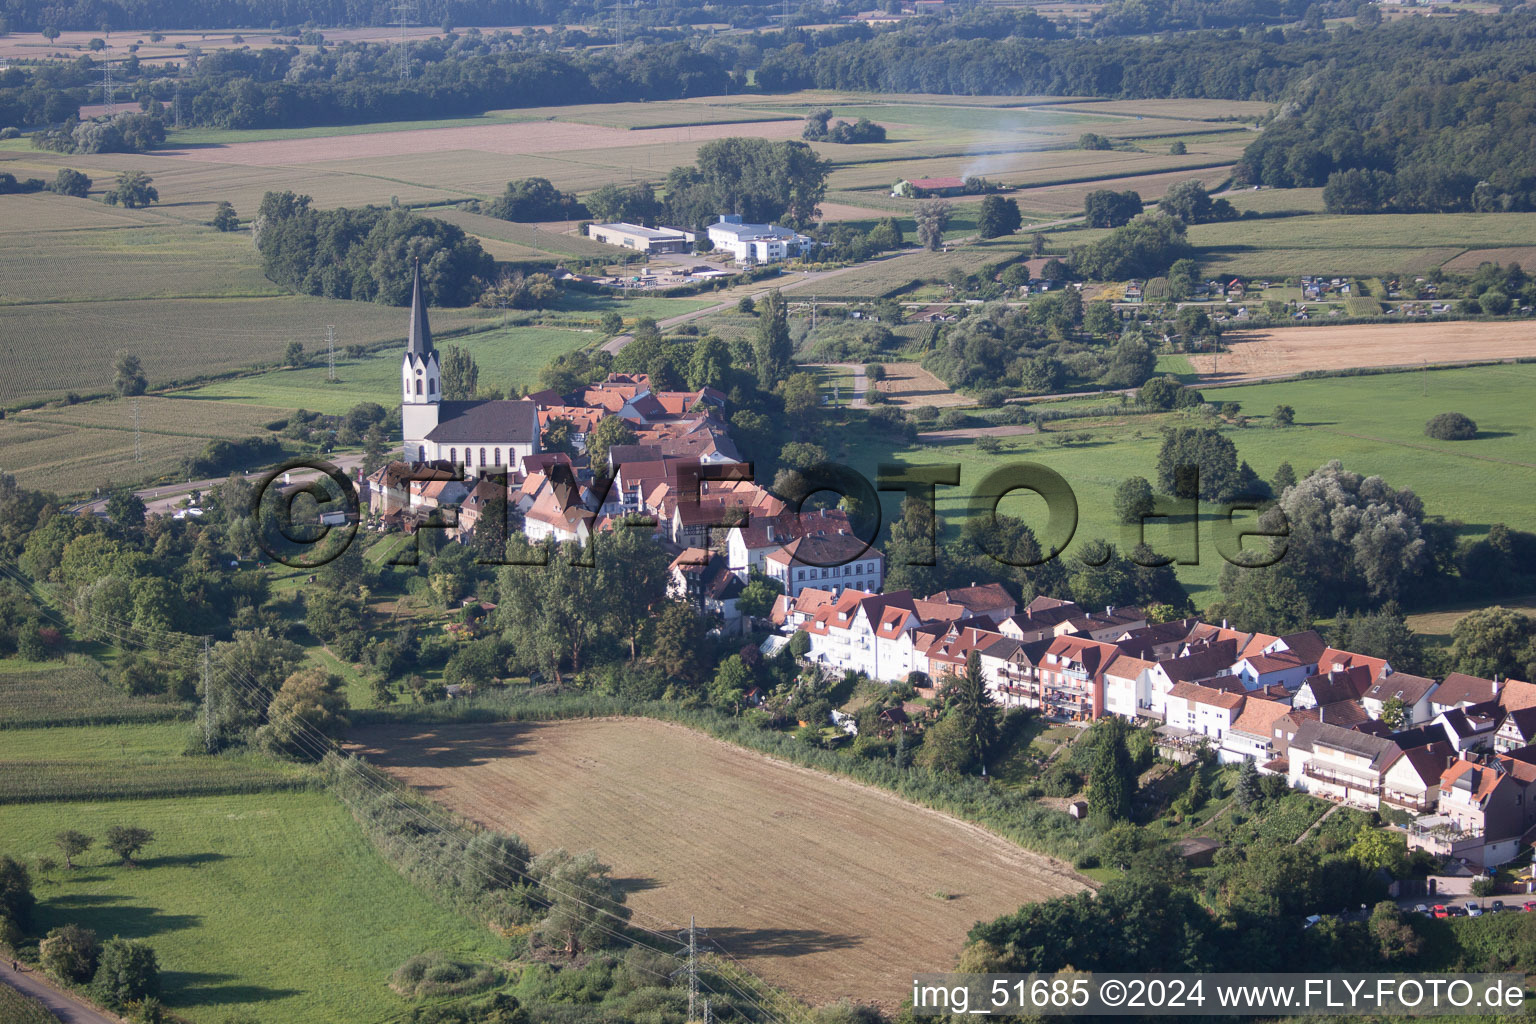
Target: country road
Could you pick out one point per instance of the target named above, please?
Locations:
(165, 498)
(68, 1008)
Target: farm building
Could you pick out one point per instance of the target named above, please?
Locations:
(760, 243)
(641, 239)
(919, 188)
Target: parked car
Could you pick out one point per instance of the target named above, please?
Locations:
(1441, 910)
(1530, 906)
(1421, 909)
(1495, 906)
(1456, 911)
(1473, 910)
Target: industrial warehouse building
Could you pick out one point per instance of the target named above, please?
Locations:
(759, 243)
(642, 239)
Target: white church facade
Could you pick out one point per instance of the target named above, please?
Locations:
(481, 436)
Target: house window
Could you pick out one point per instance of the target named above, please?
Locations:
(421, 453)
(432, 386)
(801, 576)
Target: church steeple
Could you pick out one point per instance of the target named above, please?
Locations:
(418, 341)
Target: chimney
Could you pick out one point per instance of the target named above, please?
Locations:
(1498, 684)
(1223, 623)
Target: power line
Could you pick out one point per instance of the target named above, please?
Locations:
(403, 9)
(317, 745)
(330, 351)
(108, 90)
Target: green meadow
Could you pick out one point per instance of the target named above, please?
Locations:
(271, 905)
(1374, 424)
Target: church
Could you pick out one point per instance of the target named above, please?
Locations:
(481, 436)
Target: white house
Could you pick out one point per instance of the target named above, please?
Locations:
(831, 561)
(759, 243)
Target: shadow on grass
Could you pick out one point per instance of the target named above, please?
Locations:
(111, 915)
(633, 885)
(202, 988)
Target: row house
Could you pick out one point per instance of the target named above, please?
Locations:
(1518, 730)
(864, 632)
(948, 653)
(790, 613)
(1012, 670)
(1414, 692)
(1484, 811)
(1198, 711)
(833, 561)
(747, 546)
(978, 601)
(1473, 727)
(1412, 782)
(703, 580)
(1128, 686)
(1257, 734)
(1205, 660)
(1072, 677)
(1340, 764)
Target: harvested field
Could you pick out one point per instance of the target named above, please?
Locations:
(964, 434)
(908, 385)
(1262, 355)
(846, 211)
(506, 139)
(818, 884)
(1470, 260)
(1151, 187)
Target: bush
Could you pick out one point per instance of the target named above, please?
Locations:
(1486, 886)
(951, 419)
(71, 953)
(432, 974)
(875, 371)
(9, 133)
(128, 973)
(1451, 426)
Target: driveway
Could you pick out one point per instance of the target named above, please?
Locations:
(66, 1007)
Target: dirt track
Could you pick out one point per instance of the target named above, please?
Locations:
(823, 886)
(517, 139)
(1261, 355)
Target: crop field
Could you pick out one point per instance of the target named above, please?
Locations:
(271, 906)
(820, 885)
(1067, 199)
(1256, 355)
(156, 258)
(1337, 244)
(896, 273)
(120, 761)
(508, 358)
(33, 695)
(909, 385)
(1374, 424)
(1525, 255)
(181, 339)
(531, 237)
(78, 448)
(16, 1008)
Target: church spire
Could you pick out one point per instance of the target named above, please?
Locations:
(418, 341)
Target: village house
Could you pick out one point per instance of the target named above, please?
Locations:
(1412, 691)
(1412, 782)
(1472, 727)
(833, 560)
(1256, 734)
(702, 579)
(1484, 811)
(1340, 764)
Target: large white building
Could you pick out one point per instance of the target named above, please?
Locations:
(759, 243)
(481, 436)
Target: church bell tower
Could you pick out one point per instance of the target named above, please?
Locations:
(421, 380)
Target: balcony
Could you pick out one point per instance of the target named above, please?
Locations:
(1348, 780)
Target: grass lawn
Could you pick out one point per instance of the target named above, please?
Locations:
(1374, 424)
(116, 761)
(273, 905)
(508, 358)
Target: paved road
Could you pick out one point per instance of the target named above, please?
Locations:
(166, 498)
(62, 1005)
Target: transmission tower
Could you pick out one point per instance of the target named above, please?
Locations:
(693, 967)
(138, 434)
(330, 351)
(618, 22)
(108, 90)
(176, 103)
(404, 10)
(707, 1018)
